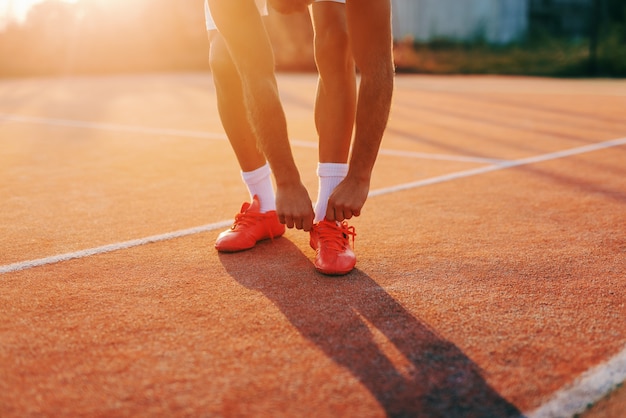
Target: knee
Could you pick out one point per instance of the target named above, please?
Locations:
(332, 47)
(220, 61)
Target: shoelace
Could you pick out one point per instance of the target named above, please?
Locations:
(336, 236)
(245, 219)
(242, 219)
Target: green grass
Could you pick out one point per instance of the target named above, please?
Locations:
(541, 55)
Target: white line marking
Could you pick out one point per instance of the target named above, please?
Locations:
(112, 247)
(499, 166)
(588, 388)
(220, 137)
(568, 401)
(442, 157)
(418, 155)
(111, 127)
(378, 192)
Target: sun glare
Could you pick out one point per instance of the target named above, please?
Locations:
(18, 9)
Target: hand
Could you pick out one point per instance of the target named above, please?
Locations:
(289, 6)
(347, 199)
(293, 206)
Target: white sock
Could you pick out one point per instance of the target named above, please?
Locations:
(259, 184)
(330, 175)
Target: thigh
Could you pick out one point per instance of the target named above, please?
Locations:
(210, 24)
(369, 25)
(328, 16)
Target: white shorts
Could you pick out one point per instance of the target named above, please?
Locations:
(261, 4)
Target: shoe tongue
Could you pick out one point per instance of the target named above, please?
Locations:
(255, 206)
(244, 207)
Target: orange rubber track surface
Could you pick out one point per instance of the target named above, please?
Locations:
(491, 272)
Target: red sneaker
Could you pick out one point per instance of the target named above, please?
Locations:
(250, 227)
(330, 240)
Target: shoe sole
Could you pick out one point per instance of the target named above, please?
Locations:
(334, 272)
(238, 249)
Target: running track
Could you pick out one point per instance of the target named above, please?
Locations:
(491, 256)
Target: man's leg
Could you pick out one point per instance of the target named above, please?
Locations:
(335, 106)
(369, 29)
(334, 119)
(336, 97)
(369, 26)
(230, 103)
(241, 26)
(257, 220)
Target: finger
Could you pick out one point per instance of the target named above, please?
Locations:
(340, 214)
(330, 212)
(307, 224)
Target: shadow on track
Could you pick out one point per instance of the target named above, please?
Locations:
(346, 318)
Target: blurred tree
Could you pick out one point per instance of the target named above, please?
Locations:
(103, 36)
(99, 36)
(41, 42)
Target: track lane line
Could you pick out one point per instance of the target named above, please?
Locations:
(500, 166)
(24, 265)
(378, 192)
(71, 123)
(588, 388)
(591, 386)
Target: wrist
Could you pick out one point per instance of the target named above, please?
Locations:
(359, 174)
(287, 180)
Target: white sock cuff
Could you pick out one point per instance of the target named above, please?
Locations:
(332, 169)
(255, 176)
